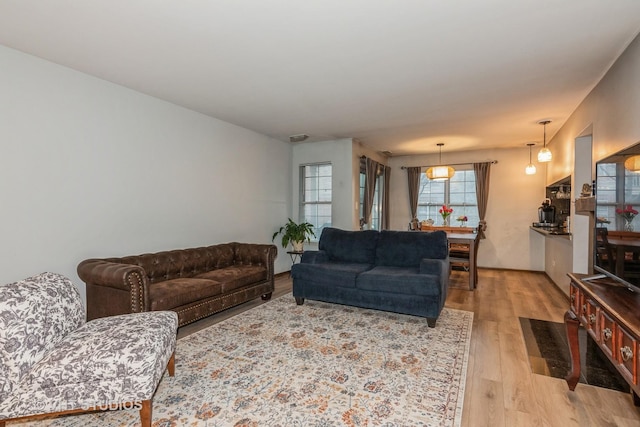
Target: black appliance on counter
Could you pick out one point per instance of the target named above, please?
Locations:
(546, 215)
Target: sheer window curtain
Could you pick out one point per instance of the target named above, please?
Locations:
(413, 176)
(482, 172)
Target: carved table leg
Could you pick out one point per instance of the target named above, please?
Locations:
(572, 324)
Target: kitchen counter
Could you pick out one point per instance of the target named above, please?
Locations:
(552, 231)
(557, 253)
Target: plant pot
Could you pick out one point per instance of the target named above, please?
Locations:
(298, 246)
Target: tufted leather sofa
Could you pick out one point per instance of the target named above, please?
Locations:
(194, 283)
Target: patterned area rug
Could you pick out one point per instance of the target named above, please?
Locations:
(318, 364)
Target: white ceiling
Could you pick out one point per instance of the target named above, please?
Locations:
(399, 76)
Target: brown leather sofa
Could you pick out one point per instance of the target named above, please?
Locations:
(194, 283)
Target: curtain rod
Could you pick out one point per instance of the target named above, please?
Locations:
(450, 164)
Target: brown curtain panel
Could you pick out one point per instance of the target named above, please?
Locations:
(482, 172)
(413, 175)
(385, 198)
(370, 175)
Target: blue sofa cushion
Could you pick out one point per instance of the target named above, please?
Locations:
(349, 246)
(329, 274)
(399, 280)
(407, 248)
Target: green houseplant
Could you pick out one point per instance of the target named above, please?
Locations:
(295, 233)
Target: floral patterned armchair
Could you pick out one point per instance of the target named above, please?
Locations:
(51, 361)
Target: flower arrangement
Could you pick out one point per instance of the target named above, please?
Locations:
(462, 219)
(628, 213)
(445, 212)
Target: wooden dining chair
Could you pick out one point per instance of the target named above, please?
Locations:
(604, 252)
(460, 257)
(459, 254)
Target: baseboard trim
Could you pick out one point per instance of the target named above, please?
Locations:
(281, 275)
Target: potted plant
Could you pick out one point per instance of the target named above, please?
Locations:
(295, 233)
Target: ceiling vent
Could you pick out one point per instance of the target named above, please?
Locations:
(298, 138)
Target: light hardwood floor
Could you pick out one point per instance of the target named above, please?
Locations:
(500, 389)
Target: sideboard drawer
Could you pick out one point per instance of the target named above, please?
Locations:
(582, 308)
(591, 317)
(627, 354)
(574, 297)
(607, 334)
(610, 312)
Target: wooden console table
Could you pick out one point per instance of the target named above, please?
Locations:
(610, 313)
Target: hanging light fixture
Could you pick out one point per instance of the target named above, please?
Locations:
(544, 155)
(632, 164)
(531, 168)
(440, 172)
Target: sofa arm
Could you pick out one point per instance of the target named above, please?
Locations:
(314, 257)
(256, 254)
(434, 266)
(440, 268)
(130, 278)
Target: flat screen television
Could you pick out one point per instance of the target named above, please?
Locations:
(617, 229)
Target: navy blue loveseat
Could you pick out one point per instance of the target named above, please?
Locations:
(399, 271)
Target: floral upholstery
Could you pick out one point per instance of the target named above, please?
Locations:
(52, 361)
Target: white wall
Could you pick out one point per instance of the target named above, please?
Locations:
(582, 247)
(360, 150)
(340, 154)
(92, 169)
(514, 198)
(344, 155)
(610, 115)
(611, 110)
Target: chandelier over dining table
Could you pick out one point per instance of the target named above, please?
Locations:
(440, 172)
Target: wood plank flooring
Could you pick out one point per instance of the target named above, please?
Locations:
(500, 389)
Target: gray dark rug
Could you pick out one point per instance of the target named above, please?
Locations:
(548, 351)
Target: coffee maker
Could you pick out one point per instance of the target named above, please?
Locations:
(547, 214)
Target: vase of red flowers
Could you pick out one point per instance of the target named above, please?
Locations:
(628, 213)
(445, 211)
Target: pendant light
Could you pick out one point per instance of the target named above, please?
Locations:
(440, 172)
(531, 168)
(632, 164)
(544, 155)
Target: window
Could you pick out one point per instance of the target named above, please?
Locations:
(315, 196)
(458, 193)
(606, 193)
(615, 187)
(376, 210)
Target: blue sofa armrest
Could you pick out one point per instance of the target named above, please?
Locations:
(440, 268)
(437, 267)
(314, 257)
